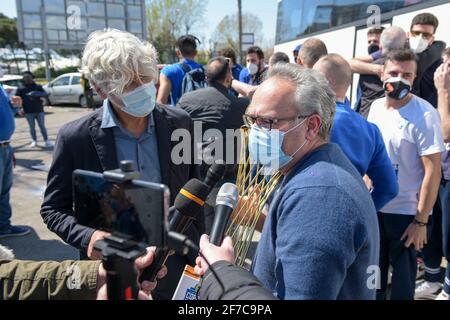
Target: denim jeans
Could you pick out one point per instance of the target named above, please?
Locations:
(40, 118)
(6, 180)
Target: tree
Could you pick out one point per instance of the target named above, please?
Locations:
(169, 19)
(8, 36)
(227, 31)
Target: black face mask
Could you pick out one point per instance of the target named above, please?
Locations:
(373, 48)
(397, 88)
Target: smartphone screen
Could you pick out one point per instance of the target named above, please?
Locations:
(136, 209)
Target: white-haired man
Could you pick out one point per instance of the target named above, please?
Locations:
(321, 238)
(130, 126)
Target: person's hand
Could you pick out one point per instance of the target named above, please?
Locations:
(91, 252)
(145, 261)
(415, 235)
(242, 213)
(442, 77)
(16, 101)
(213, 253)
(141, 263)
(368, 182)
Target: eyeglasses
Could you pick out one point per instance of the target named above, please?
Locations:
(268, 124)
(426, 35)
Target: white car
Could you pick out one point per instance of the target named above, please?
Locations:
(11, 83)
(67, 89)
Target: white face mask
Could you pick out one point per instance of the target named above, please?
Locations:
(252, 68)
(418, 44)
(141, 101)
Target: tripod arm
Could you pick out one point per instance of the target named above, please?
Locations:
(119, 256)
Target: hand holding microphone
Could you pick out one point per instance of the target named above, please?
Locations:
(226, 202)
(213, 253)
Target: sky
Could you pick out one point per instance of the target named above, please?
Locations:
(266, 10)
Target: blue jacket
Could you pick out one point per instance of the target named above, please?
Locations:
(363, 144)
(321, 239)
(7, 124)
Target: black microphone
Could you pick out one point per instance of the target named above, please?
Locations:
(188, 203)
(215, 173)
(226, 202)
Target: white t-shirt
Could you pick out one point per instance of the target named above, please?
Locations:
(409, 133)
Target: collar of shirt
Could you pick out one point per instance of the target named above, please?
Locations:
(109, 119)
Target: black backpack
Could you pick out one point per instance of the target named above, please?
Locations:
(193, 79)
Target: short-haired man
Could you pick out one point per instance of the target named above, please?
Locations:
(312, 50)
(412, 134)
(367, 152)
(256, 69)
(321, 235)
(171, 77)
(32, 95)
(373, 39)
(129, 126)
(236, 68)
(278, 57)
(421, 39)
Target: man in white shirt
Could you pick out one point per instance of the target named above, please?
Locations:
(413, 137)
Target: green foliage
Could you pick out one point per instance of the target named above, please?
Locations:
(8, 32)
(169, 19)
(227, 31)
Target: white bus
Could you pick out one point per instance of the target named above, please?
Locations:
(343, 24)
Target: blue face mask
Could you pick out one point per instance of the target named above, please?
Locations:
(141, 101)
(265, 147)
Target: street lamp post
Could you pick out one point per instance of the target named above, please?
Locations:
(45, 38)
(240, 29)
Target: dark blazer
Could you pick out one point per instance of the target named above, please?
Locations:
(83, 144)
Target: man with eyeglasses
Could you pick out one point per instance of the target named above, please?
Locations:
(320, 239)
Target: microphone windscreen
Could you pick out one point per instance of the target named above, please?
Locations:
(215, 173)
(191, 198)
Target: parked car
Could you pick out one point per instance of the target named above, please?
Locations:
(66, 89)
(11, 83)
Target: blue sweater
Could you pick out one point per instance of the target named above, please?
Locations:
(321, 237)
(363, 144)
(7, 124)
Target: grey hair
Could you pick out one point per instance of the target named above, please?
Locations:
(393, 38)
(313, 94)
(114, 59)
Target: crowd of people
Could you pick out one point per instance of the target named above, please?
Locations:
(365, 189)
